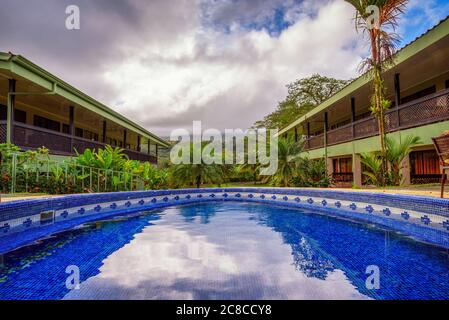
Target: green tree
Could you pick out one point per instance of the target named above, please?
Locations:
(397, 152)
(373, 164)
(288, 157)
(383, 42)
(311, 173)
(197, 174)
(314, 90)
(303, 95)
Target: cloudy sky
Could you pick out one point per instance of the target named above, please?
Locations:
(166, 63)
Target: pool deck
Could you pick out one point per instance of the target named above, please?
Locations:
(426, 191)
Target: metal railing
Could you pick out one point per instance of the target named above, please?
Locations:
(342, 177)
(32, 137)
(18, 176)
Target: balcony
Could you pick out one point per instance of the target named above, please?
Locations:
(31, 137)
(342, 177)
(430, 109)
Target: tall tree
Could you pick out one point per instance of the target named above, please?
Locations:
(303, 95)
(379, 20)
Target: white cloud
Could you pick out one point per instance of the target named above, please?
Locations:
(227, 80)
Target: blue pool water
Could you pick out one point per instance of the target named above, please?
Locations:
(226, 251)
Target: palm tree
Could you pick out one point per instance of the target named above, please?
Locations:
(397, 152)
(197, 174)
(288, 158)
(373, 163)
(383, 42)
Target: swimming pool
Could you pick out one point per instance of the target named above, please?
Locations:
(226, 250)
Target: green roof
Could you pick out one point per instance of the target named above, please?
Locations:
(430, 37)
(23, 67)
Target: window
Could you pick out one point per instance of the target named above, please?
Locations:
(66, 128)
(419, 94)
(2, 112)
(342, 165)
(340, 124)
(19, 115)
(363, 115)
(424, 163)
(90, 135)
(424, 167)
(45, 123)
(79, 132)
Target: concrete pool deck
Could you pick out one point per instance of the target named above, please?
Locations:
(426, 191)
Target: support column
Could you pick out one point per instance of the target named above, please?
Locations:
(405, 171)
(329, 166)
(71, 126)
(353, 115)
(124, 139)
(149, 146)
(104, 131)
(308, 134)
(11, 106)
(397, 89)
(326, 127)
(353, 109)
(357, 170)
(326, 121)
(138, 143)
(397, 95)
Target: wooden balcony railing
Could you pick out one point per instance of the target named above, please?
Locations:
(427, 110)
(342, 177)
(2, 131)
(31, 137)
(425, 178)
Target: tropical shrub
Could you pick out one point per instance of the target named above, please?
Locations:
(311, 173)
(396, 152)
(288, 159)
(197, 174)
(107, 169)
(373, 164)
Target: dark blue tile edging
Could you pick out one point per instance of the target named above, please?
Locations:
(416, 203)
(415, 231)
(21, 209)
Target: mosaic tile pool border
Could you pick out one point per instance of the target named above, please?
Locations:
(425, 219)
